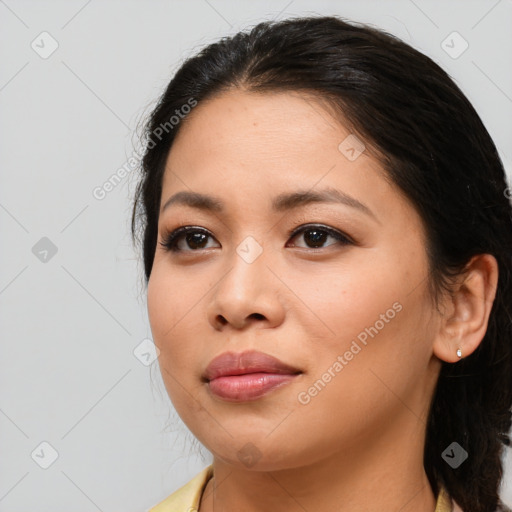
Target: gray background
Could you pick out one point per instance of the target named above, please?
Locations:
(71, 321)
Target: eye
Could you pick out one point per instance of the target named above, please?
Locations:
(197, 238)
(194, 237)
(316, 235)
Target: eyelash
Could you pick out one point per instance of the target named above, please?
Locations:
(170, 241)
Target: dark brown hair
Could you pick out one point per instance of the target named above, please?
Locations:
(433, 146)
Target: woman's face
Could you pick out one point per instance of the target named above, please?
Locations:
(349, 318)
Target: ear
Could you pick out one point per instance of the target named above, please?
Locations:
(467, 309)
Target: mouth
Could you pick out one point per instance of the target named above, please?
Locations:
(247, 376)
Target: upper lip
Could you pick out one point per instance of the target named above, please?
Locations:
(252, 361)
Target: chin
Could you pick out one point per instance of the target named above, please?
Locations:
(258, 452)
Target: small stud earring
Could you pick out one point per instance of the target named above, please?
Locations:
(459, 352)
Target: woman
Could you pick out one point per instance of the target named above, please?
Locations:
(327, 241)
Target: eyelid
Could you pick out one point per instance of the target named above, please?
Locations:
(335, 233)
(170, 239)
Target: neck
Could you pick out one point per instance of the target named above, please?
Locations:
(373, 475)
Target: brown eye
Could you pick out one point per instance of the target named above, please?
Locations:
(193, 238)
(316, 236)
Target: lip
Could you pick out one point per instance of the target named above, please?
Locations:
(247, 375)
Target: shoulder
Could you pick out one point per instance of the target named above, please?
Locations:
(186, 497)
(445, 503)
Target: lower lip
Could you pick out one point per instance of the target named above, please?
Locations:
(250, 386)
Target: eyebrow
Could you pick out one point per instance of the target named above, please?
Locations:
(283, 202)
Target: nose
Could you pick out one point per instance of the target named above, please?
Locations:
(248, 294)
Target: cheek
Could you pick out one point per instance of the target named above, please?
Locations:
(164, 313)
(161, 310)
(172, 298)
(169, 306)
(375, 314)
(176, 301)
(346, 299)
(382, 368)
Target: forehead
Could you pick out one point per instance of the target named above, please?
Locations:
(249, 148)
(278, 113)
(281, 134)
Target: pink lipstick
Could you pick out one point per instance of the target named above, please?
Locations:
(246, 376)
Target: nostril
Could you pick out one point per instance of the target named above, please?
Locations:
(222, 320)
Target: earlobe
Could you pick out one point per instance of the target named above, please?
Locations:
(468, 308)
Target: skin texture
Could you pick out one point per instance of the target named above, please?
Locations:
(357, 444)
